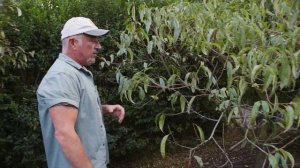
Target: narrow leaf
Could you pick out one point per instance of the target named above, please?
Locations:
(254, 72)
(285, 72)
(187, 77)
(229, 74)
(296, 104)
(163, 145)
(190, 104)
(149, 47)
(182, 103)
(161, 122)
(141, 93)
(265, 107)
(199, 161)
(288, 155)
(289, 117)
(118, 76)
(171, 80)
(200, 133)
(273, 161)
(254, 111)
(242, 88)
(19, 11)
(162, 84)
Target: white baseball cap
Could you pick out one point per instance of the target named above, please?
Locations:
(78, 25)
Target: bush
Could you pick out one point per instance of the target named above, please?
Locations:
(30, 42)
(241, 59)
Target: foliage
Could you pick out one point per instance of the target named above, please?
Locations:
(190, 66)
(20, 137)
(29, 43)
(240, 57)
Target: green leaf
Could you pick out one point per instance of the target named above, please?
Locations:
(148, 20)
(229, 74)
(265, 107)
(273, 161)
(190, 104)
(199, 160)
(111, 58)
(295, 65)
(285, 72)
(102, 64)
(276, 104)
(289, 117)
(242, 88)
(146, 84)
(163, 145)
(208, 73)
(123, 84)
(145, 65)
(274, 83)
(235, 111)
(141, 93)
(173, 98)
(142, 12)
(19, 11)
(209, 34)
(171, 80)
(182, 103)
(161, 122)
(130, 54)
(200, 133)
(296, 104)
(288, 155)
(268, 77)
(176, 26)
(149, 47)
(193, 85)
(254, 72)
(162, 84)
(254, 111)
(187, 77)
(204, 49)
(281, 160)
(129, 95)
(133, 12)
(1, 51)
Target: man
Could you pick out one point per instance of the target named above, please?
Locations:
(70, 110)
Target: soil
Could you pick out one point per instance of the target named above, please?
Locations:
(212, 157)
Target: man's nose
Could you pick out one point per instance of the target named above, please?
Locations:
(98, 45)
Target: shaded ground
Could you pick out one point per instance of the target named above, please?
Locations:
(212, 156)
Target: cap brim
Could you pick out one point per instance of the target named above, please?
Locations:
(97, 32)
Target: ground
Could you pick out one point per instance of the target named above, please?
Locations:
(240, 157)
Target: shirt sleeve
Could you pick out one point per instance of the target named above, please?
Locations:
(59, 88)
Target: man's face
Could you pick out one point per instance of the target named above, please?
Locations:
(88, 49)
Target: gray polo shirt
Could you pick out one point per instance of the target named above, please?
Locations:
(68, 82)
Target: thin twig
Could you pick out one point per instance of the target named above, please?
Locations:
(214, 130)
(202, 116)
(257, 146)
(284, 146)
(226, 155)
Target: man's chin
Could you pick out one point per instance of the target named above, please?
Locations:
(91, 61)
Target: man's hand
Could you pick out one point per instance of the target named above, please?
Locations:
(115, 110)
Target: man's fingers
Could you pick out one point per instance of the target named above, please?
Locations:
(121, 115)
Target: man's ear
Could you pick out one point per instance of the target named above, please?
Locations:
(73, 43)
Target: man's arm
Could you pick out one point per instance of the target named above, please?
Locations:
(115, 110)
(64, 118)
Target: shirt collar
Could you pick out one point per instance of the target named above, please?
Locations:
(73, 63)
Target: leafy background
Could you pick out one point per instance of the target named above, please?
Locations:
(184, 70)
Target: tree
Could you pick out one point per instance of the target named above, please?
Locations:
(239, 61)
(29, 43)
